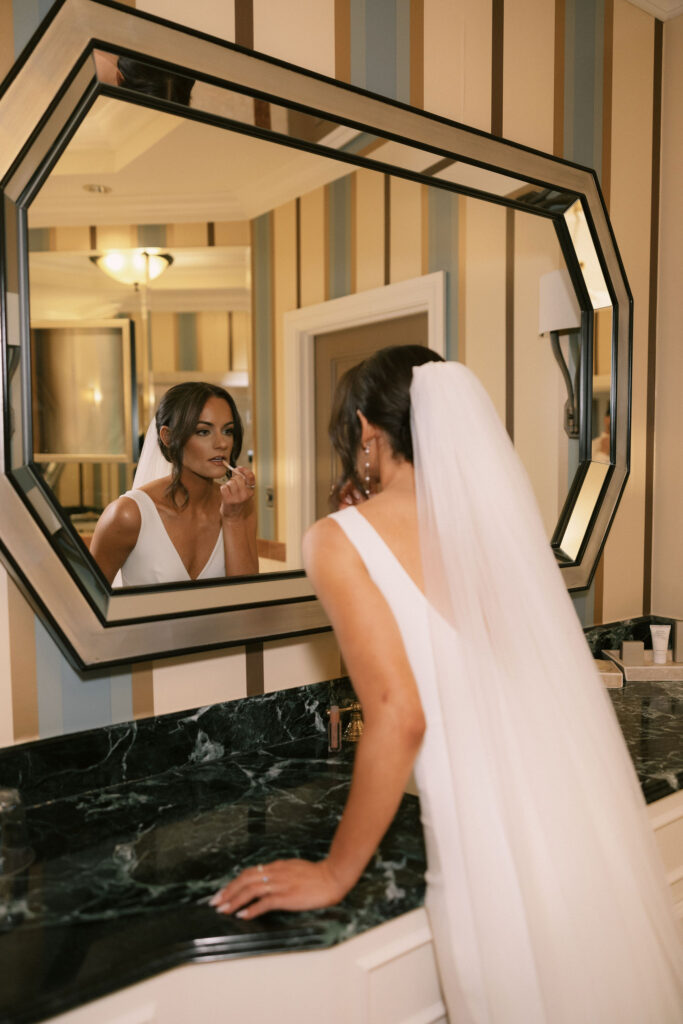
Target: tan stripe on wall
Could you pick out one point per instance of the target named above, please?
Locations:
(608, 42)
(6, 37)
(24, 680)
(652, 317)
(342, 40)
(142, 687)
(558, 97)
(417, 53)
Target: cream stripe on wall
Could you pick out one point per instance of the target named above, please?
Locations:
(667, 555)
(457, 64)
(313, 248)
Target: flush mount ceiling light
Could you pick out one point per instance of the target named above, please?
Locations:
(133, 266)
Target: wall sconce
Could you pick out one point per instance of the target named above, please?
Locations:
(559, 313)
(133, 266)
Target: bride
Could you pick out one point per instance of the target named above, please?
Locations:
(176, 524)
(546, 898)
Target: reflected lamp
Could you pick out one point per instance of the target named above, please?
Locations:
(559, 313)
(133, 266)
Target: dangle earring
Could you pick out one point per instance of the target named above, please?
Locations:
(366, 453)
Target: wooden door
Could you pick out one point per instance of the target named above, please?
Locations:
(334, 353)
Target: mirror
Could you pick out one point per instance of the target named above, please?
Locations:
(405, 213)
(194, 320)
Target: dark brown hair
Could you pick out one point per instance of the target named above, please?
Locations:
(380, 388)
(179, 410)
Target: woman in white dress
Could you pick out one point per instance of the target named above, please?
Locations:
(181, 526)
(545, 894)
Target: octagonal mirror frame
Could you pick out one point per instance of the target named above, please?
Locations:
(42, 102)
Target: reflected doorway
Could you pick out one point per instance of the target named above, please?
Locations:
(334, 353)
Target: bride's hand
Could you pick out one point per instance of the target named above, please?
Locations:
(348, 494)
(280, 885)
(237, 493)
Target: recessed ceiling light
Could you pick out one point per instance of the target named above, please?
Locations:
(99, 189)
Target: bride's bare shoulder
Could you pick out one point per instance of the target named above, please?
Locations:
(324, 545)
(322, 534)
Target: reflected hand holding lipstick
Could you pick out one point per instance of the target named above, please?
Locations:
(234, 471)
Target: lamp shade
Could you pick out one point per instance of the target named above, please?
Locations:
(133, 266)
(558, 309)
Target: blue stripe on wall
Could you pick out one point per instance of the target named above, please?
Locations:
(48, 682)
(380, 47)
(152, 234)
(70, 702)
(187, 341)
(339, 237)
(27, 16)
(262, 232)
(443, 252)
(38, 239)
(584, 45)
(403, 51)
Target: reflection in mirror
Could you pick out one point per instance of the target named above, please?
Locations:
(214, 203)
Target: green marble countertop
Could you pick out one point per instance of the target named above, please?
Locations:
(134, 827)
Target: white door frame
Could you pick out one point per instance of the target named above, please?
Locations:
(425, 294)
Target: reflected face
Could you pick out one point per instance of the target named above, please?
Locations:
(212, 441)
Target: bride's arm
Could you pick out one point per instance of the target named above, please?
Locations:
(238, 518)
(115, 536)
(374, 654)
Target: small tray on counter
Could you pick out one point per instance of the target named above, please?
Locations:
(648, 671)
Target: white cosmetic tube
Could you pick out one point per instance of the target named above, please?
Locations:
(660, 643)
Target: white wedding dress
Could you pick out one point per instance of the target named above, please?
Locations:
(546, 896)
(155, 558)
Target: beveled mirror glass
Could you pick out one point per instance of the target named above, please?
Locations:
(257, 138)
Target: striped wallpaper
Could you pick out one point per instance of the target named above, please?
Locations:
(580, 78)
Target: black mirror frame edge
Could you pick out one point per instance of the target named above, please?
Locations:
(94, 629)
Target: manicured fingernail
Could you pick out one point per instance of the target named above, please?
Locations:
(224, 909)
(242, 913)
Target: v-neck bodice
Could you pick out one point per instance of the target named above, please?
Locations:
(155, 558)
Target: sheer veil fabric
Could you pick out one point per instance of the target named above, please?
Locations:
(555, 908)
(151, 466)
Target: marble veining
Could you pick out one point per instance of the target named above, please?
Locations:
(651, 718)
(125, 861)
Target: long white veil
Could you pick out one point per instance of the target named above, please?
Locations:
(151, 466)
(559, 877)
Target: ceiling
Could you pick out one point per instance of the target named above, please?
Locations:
(662, 9)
